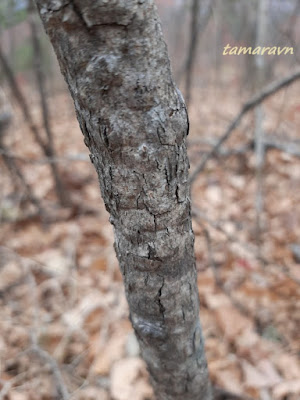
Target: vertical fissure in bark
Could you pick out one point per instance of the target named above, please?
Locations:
(135, 124)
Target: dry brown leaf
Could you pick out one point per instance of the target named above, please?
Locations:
(14, 395)
(214, 195)
(10, 273)
(113, 351)
(206, 282)
(215, 301)
(269, 371)
(230, 380)
(285, 388)
(128, 380)
(54, 262)
(288, 365)
(89, 304)
(92, 393)
(232, 322)
(253, 347)
(263, 375)
(51, 336)
(18, 337)
(215, 349)
(99, 264)
(93, 320)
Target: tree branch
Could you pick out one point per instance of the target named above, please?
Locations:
(248, 106)
(46, 160)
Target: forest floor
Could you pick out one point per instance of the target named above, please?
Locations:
(64, 328)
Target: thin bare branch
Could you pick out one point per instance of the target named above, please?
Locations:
(20, 99)
(7, 385)
(291, 147)
(248, 106)
(47, 160)
(45, 357)
(40, 77)
(218, 280)
(16, 171)
(248, 247)
(192, 49)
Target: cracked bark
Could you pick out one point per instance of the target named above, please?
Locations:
(135, 123)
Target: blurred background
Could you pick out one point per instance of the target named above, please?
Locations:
(64, 329)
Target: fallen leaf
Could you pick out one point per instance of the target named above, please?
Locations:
(128, 380)
(113, 351)
(215, 301)
(288, 365)
(14, 395)
(214, 195)
(285, 388)
(251, 346)
(232, 322)
(263, 375)
(99, 264)
(10, 273)
(54, 262)
(230, 380)
(92, 393)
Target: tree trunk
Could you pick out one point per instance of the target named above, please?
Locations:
(135, 123)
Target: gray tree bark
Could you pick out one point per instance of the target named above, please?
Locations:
(135, 124)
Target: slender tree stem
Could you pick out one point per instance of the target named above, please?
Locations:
(135, 124)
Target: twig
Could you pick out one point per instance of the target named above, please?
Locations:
(196, 29)
(21, 100)
(7, 385)
(291, 147)
(11, 165)
(200, 216)
(260, 72)
(37, 51)
(46, 160)
(218, 281)
(287, 34)
(192, 49)
(246, 246)
(16, 171)
(35, 348)
(6, 388)
(237, 304)
(44, 356)
(248, 106)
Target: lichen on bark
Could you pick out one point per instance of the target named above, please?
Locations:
(134, 121)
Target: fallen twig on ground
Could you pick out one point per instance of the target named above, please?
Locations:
(45, 356)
